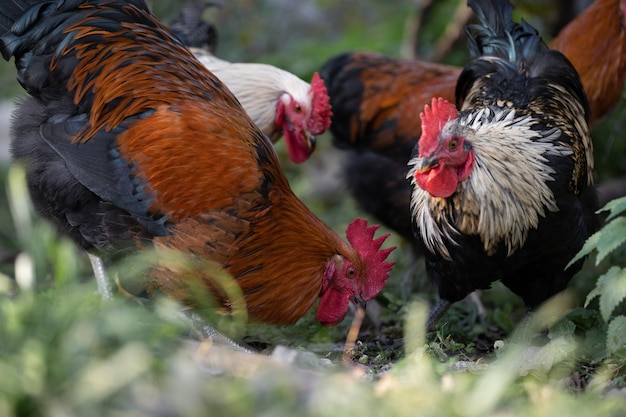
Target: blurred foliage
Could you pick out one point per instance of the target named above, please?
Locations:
(63, 352)
(609, 144)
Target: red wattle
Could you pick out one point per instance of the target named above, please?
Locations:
(333, 307)
(438, 182)
(298, 152)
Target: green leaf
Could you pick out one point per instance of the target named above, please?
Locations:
(563, 328)
(593, 293)
(590, 244)
(595, 344)
(616, 336)
(583, 318)
(613, 235)
(605, 241)
(611, 287)
(616, 207)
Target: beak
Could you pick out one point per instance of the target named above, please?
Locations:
(311, 140)
(426, 164)
(358, 302)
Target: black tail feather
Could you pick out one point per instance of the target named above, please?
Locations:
(498, 35)
(495, 15)
(16, 17)
(11, 11)
(23, 23)
(519, 44)
(192, 30)
(345, 88)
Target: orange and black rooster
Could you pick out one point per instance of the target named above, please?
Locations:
(503, 181)
(374, 100)
(129, 141)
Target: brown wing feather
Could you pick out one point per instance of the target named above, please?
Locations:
(195, 158)
(393, 91)
(121, 90)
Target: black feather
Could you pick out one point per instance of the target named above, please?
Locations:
(342, 83)
(192, 30)
(74, 209)
(387, 176)
(12, 10)
(99, 166)
(72, 183)
(522, 51)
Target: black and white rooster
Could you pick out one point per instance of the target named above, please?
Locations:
(503, 181)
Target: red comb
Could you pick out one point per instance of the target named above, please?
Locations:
(361, 237)
(320, 106)
(433, 119)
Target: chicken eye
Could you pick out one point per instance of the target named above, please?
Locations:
(453, 144)
(298, 107)
(351, 272)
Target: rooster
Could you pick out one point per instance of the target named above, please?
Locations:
(129, 142)
(373, 99)
(279, 102)
(503, 186)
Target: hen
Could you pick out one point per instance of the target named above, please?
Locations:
(503, 186)
(279, 102)
(374, 98)
(129, 142)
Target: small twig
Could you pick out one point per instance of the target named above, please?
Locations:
(121, 290)
(353, 334)
(412, 29)
(453, 32)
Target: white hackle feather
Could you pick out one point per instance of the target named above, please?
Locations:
(258, 87)
(496, 202)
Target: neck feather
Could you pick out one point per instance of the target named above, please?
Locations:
(258, 87)
(506, 194)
